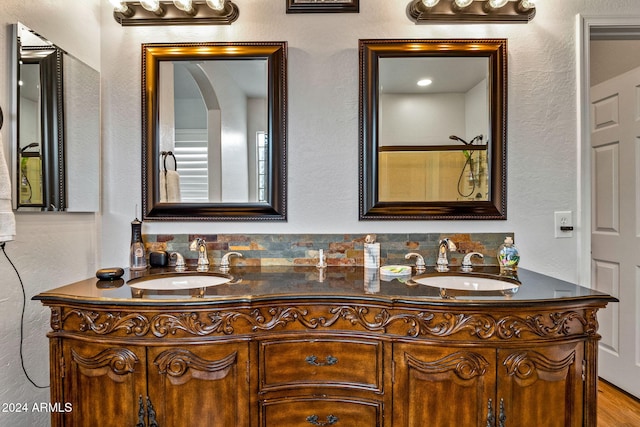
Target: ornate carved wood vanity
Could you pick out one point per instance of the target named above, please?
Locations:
(301, 347)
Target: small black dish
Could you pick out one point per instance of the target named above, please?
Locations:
(112, 273)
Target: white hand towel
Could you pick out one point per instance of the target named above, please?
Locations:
(169, 187)
(7, 219)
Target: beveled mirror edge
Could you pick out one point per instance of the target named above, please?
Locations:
(369, 207)
(276, 208)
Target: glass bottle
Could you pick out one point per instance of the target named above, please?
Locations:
(508, 257)
(137, 253)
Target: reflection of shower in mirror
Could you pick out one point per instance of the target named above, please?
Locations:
(475, 171)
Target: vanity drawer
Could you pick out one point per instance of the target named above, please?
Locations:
(321, 412)
(350, 363)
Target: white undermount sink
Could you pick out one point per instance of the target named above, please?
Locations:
(179, 281)
(466, 283)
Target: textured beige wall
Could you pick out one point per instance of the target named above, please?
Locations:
(323, 120)
(50, 249)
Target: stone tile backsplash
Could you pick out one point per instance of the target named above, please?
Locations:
(339, 249)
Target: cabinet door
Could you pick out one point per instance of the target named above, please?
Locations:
(442, 386)
(541, 387)
(200, 385)
(103, 383)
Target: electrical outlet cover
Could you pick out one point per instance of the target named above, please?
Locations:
(563, 219)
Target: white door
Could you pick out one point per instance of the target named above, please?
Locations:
(615, 241)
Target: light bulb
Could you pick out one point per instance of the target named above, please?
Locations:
(463, 3)
(151, 5)
(497, 4)
(119, 5)
(525, 5)
(430, 3)
(424, 82)
(185, 6)
(216, 4)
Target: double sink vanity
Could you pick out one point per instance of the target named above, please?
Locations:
(304, 346)
(301, 346)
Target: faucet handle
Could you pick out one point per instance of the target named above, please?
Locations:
(419, 258)
(466, 261)
(420, 265)
(180, 264)
(224, 262)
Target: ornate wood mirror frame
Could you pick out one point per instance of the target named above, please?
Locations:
(494, 204)
(274, 206)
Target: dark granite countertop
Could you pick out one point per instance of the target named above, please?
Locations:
(339, 283)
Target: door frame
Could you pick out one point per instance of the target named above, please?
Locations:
(584, 26)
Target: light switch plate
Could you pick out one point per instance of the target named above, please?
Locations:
(563, 224)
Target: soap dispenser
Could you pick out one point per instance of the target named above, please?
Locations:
(137, 253)
(508, 257)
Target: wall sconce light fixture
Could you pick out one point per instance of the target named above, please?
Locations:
(175, 12)
(471, 11)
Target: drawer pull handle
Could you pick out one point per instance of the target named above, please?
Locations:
(150, 411)
(491, 418)
(502, 418)
(313, 419)
(141, 412)
(313, 360)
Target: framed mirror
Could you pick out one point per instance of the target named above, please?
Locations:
(433, 117)
(56, 158)
(214, 131)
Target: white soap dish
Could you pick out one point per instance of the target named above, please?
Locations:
(395, 270)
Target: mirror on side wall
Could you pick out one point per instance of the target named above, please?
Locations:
(56, 156)
(214, 131)
(433, 129)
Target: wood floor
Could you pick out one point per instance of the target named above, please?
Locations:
(615, 408)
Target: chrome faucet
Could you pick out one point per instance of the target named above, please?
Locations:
(224, 262)
(445, 245)
(200, 245)
(420, 266)
(467, 265)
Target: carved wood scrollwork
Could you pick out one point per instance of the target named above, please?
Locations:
(113, 362)
(221, 322)
(181, 365)
(106, 323)
(560, 324)
(465, 364)
(56, 318)
(591, 326)
(526, 365)
(420, 323)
